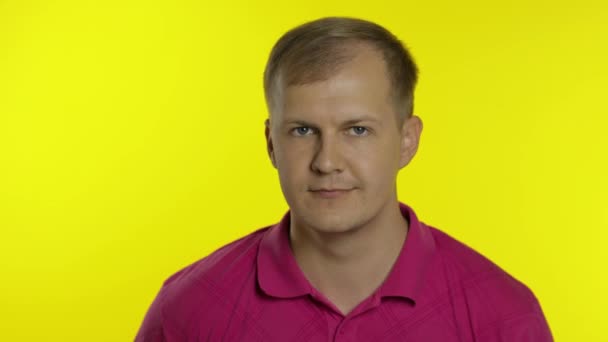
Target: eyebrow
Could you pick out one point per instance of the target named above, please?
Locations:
(345, 123)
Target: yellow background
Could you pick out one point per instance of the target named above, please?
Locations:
(131, 144)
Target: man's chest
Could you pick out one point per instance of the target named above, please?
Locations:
(312, 322)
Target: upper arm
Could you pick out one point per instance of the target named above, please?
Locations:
(151, 329)
(529, 327)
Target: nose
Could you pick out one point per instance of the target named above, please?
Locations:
(328, 157)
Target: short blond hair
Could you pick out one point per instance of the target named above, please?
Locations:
(314, 51)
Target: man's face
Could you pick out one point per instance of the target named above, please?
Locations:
(341, 134)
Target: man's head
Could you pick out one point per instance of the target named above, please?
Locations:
(317, 50)
(340, 100)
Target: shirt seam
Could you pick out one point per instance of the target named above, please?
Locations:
(509, 321)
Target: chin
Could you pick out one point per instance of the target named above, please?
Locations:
(332, 223)
(329, 216)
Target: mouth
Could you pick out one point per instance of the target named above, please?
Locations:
(330, 193)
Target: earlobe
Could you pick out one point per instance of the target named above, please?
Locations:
(274, 163)
(269, 145)
(410, 139)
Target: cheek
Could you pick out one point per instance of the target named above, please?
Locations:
(292, 163)
(377, 164)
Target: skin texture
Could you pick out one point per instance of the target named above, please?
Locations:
(343, 133)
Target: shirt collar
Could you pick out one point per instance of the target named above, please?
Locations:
(279, 275)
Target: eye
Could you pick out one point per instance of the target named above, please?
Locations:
(359, 130)
(303, 130)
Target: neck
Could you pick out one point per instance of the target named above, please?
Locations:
(349, 266)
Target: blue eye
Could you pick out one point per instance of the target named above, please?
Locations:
(359, 130)
(302, 130)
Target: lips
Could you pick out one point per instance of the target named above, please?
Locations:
(330, 189)
(330, 192)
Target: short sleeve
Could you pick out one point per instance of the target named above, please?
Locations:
(532, 327)
(151, 329)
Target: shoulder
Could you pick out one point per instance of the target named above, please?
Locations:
(238, 254)
(467, 268)
(462, 260)
(494, 299)
(227, 264)
(211, 281)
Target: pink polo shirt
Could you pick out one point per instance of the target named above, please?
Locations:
(439, 290)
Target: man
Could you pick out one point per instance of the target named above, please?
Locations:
(348, 261)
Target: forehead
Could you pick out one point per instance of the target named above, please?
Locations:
(359, 88)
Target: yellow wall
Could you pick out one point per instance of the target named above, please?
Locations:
(132, 131)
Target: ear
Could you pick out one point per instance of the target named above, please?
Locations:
(269, 145)
(410, 139)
